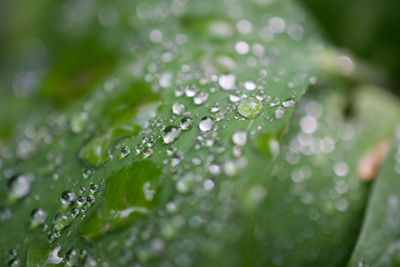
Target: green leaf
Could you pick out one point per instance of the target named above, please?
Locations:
(378, 243)
(176, 158)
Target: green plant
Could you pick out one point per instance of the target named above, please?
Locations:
(181, 134)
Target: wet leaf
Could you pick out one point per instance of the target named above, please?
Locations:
(378, 243)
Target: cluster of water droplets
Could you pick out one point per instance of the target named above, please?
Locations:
(195, 138)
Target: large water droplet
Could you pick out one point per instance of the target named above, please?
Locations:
(171, 134)
(250, 108)
(206, 124)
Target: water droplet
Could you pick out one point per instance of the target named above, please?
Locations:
(81, 200)
(78, 122)
(200, 98)
(275, 101)
(208, 184)
(61, 221)
(171, 134)
(239, 138)
(94, 188)
(178, 108)
(308, 124)
(244, 26)
(38, 217)
(186, 123)
(190, 91)
(227, 81)
(249, 85)
(156, 36)
(214, 169)
(215, 108)
(67, 197)
(20, 186)
(277, 24)
(148, 153)
(125, 151)
(242, 47)
(72, 257)
(280, 113)
(250, 108)
(234, 98)
(288, 103)
(206, 124)
(340, 169)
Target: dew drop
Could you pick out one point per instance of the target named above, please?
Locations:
(61, 221)
(340, 169)
(288, 103)
(206, 124)
(38, 217)
(250, 108)
(249, 85)
(171, 134)
(275, 101)
(125, 151)
(67, 197)
(20, 186)
(208, 184)
(190, 91)
(186, 123)
(200, 98)
(227, 81)
(308, 124)
(279, 113)
(239, 138)
(178, 108)
(242, 48)
(72, 257)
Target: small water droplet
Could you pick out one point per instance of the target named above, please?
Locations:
(61, 221)
(234, 98)
(242, 48)
(20, 186)
(227, 81)
(239, 138)
(178, 108)
(171, 134)
(125, 151)
(190, 91)
(206, 124)
(200, 98)
(38, 217)
(186, 123)
(72, 257)
(280, 113)
(67, 197)
(208, 184)
(275, 101)
(288, 103)
(249, 85)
